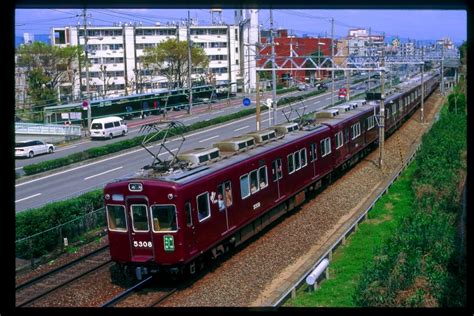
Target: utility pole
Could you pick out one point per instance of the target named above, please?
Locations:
(89, 111)
(189, 66)
(257, 101)
(274, 105)
(370, 54)
(382, 112)
(422, 85)
(442, 68)
(332, 59)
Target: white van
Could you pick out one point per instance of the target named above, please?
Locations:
(108, 127)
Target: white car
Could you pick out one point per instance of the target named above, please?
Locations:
(30, 148)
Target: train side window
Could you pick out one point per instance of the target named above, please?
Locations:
(164, 218)
(262, 177)
(254, 182)
(244, 186)
(116, 218)
(187, 211)
(304, 161)
(140, 218)
(296, 156)
(346, 135)
(225, 189)
(338, 139)
(291, 164)
(313, 152)
(203, 206)
(276, 170)
(325, 146)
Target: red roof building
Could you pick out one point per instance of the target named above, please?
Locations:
(295, 46)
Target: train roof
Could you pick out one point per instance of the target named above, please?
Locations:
(219, 156)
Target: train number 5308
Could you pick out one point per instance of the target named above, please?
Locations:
(141, 244)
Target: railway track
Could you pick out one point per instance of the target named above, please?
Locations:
(38, 287)
(134, 297)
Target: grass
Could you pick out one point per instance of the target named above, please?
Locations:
(349, 260)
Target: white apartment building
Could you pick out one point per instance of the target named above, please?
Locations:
(362, 44)
(115, 51)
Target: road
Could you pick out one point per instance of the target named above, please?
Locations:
(80, 179)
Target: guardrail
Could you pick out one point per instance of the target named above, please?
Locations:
(47, 129)
(291, 292)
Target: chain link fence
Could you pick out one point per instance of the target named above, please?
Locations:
(49, 244)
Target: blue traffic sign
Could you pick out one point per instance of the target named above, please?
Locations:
(246, 101)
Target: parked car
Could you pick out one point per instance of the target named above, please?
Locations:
(30, 148)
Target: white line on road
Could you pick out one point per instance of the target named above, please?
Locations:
(65, 148)
(99, 174)
(201, 141)
(29, 197)
(238, 129)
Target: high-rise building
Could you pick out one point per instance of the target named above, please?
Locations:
(115, 52)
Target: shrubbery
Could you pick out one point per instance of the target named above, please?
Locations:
(419, 266)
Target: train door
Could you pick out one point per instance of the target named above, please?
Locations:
(313, 157)
(225, 201)
(141, 241)
(190, 230)
(277, 175)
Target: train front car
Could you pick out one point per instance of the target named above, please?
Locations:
(142, 222)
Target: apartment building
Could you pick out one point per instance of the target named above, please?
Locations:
(115, 54)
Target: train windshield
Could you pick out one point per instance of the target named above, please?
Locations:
(116, 218)
(139, 218)
(164, 218)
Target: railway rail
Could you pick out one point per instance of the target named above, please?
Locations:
(40, 286)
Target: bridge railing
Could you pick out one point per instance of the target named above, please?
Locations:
(47, 129)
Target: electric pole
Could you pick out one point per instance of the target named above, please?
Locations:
(86, 49)
(370, 54)
(257, 101)
(442, 68)
(189, 66)
(332, 59)
(422, 85)
(274, 104)
(382, 112)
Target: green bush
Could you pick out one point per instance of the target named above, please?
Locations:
(415, 266)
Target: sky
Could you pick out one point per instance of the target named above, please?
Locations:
(423, 25)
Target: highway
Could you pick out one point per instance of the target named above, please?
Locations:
(60, 185)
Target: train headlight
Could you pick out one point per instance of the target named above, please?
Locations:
(107, 196)
(170, 196)
(135, 187)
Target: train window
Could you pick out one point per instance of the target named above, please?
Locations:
(187, 211)
(313, 152)
(291, 164)
(339, 140)
(325, 146)
(203, 206)
(370, 122)
(303, 157)
(244, 186)
(262, 177)
(139, 218)
(297, 160)
(346, 135)
(355, 130)
(225, 189)
(116, 218)
(254, 182)
(276, 170)
(164, 218)
(394, 108)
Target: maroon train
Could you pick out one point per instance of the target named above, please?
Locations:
(173, 222)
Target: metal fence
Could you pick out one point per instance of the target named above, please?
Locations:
(47, 129)
(46, 245)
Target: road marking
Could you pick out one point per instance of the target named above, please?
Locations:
(99, 174)
(65, 148)
(178, 116)
(167, 152)
(317, 102)
(29, 197)
(201, 141)
(238, 129)
(220, 111)
(18, 168)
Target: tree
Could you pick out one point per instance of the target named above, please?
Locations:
(46, 67)
(170, 59)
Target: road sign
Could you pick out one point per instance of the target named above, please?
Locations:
(85, 105)
(246, 101)
(269, 103)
